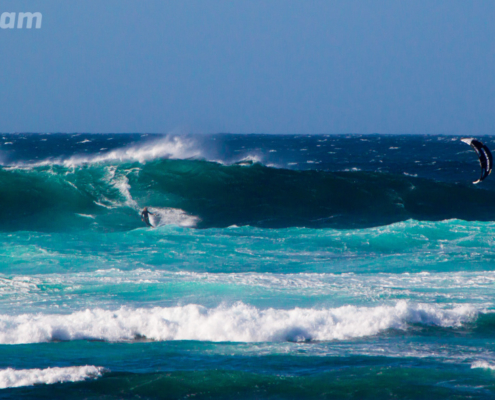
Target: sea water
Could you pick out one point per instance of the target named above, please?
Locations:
(280, 266)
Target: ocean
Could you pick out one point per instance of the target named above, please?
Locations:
(279, 267)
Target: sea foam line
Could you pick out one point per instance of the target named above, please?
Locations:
(475, 287)
(321, 283)
(237, 323)
(10, 377)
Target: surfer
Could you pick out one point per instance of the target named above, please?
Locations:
(145, 216)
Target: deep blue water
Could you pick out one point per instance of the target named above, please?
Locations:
(324, 266)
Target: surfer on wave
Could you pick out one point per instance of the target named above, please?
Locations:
(145, 216)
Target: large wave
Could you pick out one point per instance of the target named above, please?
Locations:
(206, 194)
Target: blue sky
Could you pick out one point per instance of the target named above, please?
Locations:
(250, 66)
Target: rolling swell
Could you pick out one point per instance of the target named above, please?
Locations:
(108, 197)
(369, 381)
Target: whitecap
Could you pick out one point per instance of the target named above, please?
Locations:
(10, 377)
(482, 364)
(236, 323)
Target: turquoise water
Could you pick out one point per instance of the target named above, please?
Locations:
(279, 267)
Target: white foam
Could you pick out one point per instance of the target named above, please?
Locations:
(482, 364)
(122, 184)
(172, 216)
(10, 377)
(236, 323)
(86, 216)
(250, 159)
(353, 169)
(448, 288)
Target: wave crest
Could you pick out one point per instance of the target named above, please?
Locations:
(221, 196)
(166, 147)
(10, 377)
(237, 323)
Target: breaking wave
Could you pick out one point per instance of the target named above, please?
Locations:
(483, 365)
(167, 147)
(206, 194)
(10, 378)
(236, 323)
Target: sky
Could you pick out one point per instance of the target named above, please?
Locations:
(250, 66)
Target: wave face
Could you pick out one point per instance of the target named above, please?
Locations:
(187, 183)
(279, 267)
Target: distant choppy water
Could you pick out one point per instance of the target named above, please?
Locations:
(351, 266)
